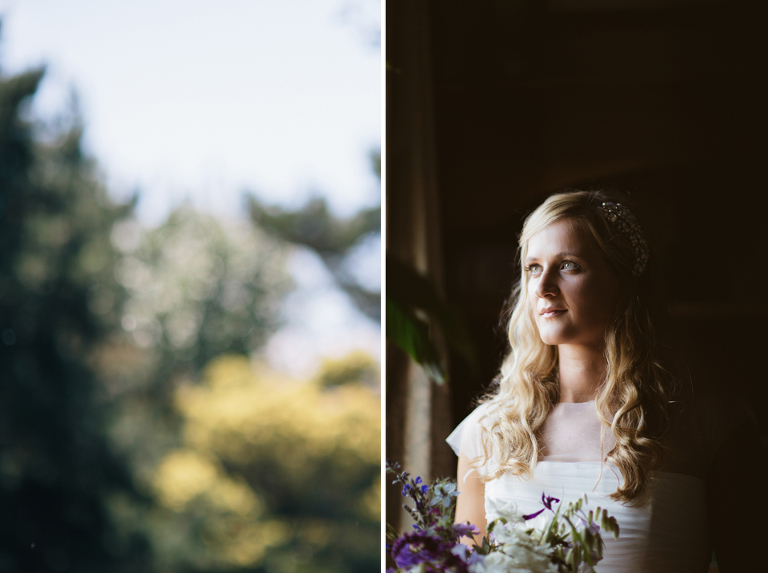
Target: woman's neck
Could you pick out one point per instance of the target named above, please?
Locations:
(582, 371)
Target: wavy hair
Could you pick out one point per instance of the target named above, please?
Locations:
(633, 400)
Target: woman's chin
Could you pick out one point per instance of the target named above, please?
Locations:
(552, 336)
(551, 340)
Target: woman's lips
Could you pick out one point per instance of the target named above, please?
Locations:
(550, 312)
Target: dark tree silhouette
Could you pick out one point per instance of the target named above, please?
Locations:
(55, 255)
(332, 238)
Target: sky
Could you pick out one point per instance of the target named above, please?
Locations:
(203, 100)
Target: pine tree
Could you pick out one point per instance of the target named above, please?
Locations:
(332, 238)
(56, 262)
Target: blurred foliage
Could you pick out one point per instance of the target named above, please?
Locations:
(414, 310)
(56, 259)
(196, 287)
(199, 286)
(134, 433)
(357, 367)
(332, 238)
(273, 474)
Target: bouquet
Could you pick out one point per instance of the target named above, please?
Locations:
(555, 539)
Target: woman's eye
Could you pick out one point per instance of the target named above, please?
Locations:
(569, 266)
(533, 269)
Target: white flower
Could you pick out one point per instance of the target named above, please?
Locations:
(497, 563)
(517, 552)
(529, 559)
(522, 560)
(507, 533)
(506, 508)
(540, 523)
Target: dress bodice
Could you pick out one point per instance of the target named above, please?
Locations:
(667, 534)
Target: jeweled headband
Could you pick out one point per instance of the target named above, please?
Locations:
(626, 223)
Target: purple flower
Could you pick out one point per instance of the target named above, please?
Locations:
(465, 530)
(437, 556)
(406, 488)
(475, 557)
(532, 515)
(418, 547)
(424, 488)
(461, 551)
(547, 501)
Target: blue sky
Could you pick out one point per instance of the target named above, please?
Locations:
(205, 98)
(200, 100)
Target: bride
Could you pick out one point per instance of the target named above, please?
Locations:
(584, 403)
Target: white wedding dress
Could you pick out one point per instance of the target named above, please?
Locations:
(669, 534)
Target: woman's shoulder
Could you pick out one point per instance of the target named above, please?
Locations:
(483, 413)
(471, 438)
(468, 437)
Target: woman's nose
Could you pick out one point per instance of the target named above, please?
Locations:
(547, 284)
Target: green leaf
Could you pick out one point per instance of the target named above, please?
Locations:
(410, 289)
(411, 335)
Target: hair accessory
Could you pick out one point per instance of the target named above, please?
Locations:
(625, 221)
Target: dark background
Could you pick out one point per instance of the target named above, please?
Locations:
(664, 100)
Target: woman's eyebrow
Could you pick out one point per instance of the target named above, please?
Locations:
(557, 256)
(569, 254)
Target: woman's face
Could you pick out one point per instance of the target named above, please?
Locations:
(571, 291)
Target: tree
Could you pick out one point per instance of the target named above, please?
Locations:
(332, 238)
(56, 260)
(274, 474)
(109, 334)
(197, 287)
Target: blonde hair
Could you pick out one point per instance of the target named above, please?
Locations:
(634, 399)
